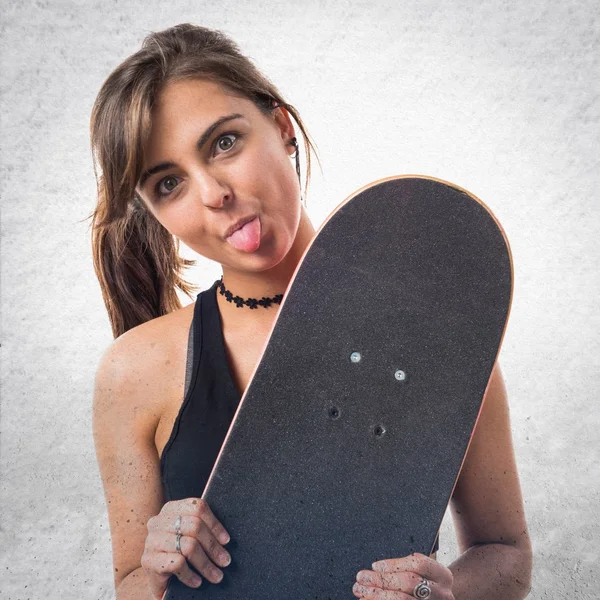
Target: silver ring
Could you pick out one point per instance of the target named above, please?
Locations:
(422, 590)
(179, 534)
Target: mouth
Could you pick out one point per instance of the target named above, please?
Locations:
(248, 235)
(238, 225)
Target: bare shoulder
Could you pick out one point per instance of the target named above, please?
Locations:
(145, 366)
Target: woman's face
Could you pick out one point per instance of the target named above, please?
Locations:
(199, 180)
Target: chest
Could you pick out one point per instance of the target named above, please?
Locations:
(242, 347)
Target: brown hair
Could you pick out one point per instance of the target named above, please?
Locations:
(135, 258)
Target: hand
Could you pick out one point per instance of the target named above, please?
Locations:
(201, 534)
(396, 578)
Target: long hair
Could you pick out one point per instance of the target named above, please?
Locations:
(135, 258)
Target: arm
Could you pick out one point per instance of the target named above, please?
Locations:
(487, 509)
(134, 586)
(124, 422)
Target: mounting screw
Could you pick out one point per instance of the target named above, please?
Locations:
(400, 375)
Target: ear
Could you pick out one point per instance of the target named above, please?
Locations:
(283, 121)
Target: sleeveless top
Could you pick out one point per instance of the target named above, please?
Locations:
(210, 401)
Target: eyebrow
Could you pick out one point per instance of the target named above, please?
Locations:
(199, 144)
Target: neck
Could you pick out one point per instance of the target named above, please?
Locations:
(269, 282)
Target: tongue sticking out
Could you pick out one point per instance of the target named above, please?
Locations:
(247, 238)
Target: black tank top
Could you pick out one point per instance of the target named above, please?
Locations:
(210, 401)
(209, 404)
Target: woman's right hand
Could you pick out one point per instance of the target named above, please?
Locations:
(201, 539)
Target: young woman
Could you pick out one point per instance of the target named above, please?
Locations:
(195, 144)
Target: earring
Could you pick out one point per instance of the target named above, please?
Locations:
(294, 142)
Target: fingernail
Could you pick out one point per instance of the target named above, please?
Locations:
(196, 581)
(224, 538)
(363, 578)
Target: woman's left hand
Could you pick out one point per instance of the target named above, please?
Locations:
(396, 578)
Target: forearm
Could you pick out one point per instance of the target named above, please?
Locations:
(134, 587)
(493, 572)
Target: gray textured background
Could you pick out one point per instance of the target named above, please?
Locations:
(498, 97)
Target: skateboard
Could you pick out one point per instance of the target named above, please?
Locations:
(347, 444)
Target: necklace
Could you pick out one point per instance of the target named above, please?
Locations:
(251, 302)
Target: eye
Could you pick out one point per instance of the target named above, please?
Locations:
(170, 183)
(226, 141)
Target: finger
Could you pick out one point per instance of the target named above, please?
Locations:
(404, 581)
(418, 563)
(165, 542)
(195, 554)
(198, 507)
(371, 593)
(198, 529)
(160, 566)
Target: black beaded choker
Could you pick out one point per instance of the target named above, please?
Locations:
(251, 302)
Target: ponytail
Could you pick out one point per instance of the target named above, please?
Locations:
(138, 266)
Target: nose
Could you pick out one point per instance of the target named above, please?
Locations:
(213, 191)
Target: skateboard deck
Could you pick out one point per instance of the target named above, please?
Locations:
(348, 442)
